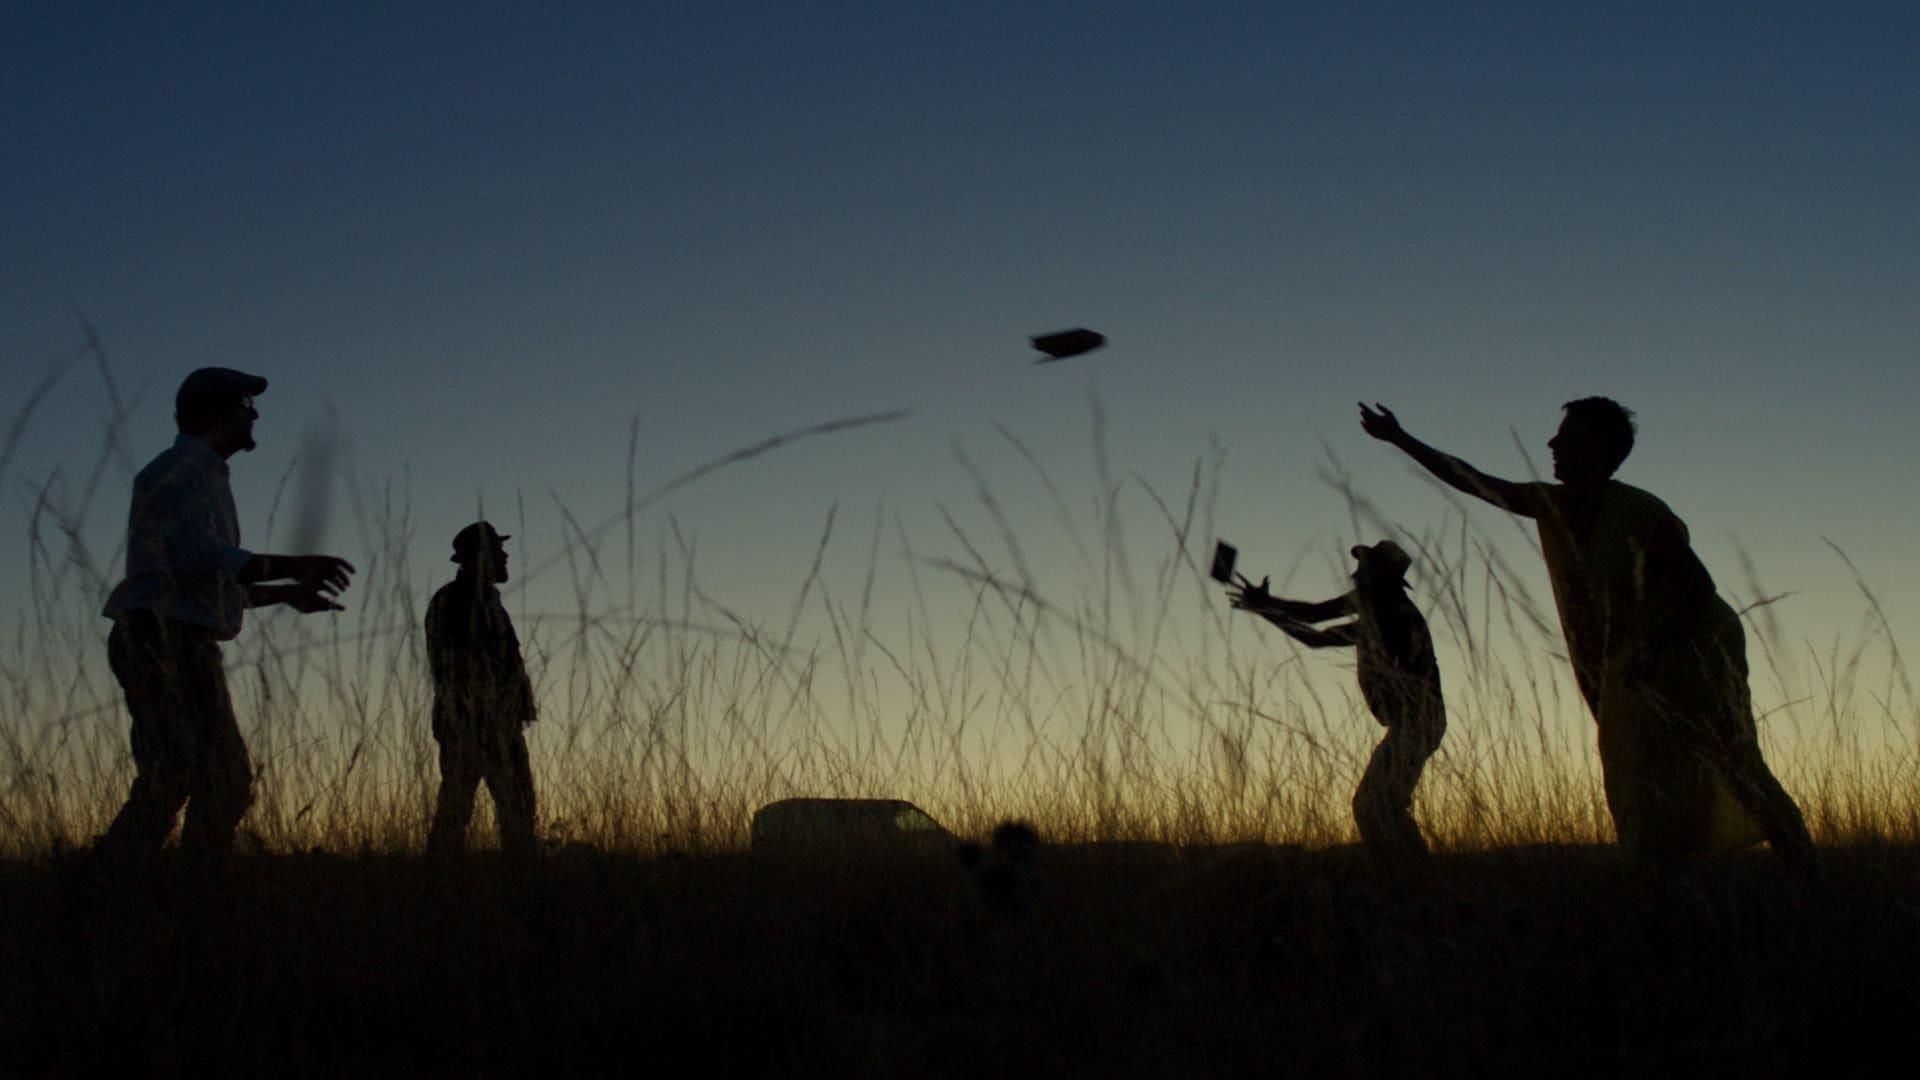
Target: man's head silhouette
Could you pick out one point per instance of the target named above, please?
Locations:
(481, 550)
(1595, 437)
(1383, 564)
(215, 405)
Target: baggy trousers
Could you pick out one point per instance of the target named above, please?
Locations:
(1694, 716)
(187, 749)
(500, 758)
(1383, 804)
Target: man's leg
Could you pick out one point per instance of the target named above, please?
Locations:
(510, 780)
(1778, 816)
(459, 781)
(138, 651)
(1383, 804)
(1728, 739)
(222, 785)
(1670, 803)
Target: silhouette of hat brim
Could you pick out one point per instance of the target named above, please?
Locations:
(1385, 556)
(218, 382)
(468, 542)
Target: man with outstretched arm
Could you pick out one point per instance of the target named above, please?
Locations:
(1659, 657)
(1399, 679)
(188, 585)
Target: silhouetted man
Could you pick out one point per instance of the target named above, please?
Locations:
(481, 698)
(1399, 679)
(188, 584)
(1659, 656)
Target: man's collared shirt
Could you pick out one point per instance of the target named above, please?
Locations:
(183, 542)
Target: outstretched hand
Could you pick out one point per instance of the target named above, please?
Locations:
(308, 600)
(1380, 423)
(1247, 596)
(319, 573)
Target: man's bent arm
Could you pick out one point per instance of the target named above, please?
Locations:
(294, 595)
(1255, 598)
(1331, 637)
(1674, 587)
(1303, 611)
(509, 667)
(319, 571)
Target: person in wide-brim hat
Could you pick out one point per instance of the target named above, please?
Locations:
(1399, 679)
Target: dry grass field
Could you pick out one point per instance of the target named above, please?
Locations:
(1197, 908)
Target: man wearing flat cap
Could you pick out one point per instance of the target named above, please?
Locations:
(1399, 679)
(482, 699)
(188, 585)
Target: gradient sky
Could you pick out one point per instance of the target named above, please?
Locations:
(491, 236)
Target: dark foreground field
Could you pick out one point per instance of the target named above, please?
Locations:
(1128, 961)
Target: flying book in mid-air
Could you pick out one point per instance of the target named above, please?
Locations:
(1065, 343)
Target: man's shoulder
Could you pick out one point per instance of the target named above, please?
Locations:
(1408, 614)
(167, 465)
(445, 597)
(457, 596)
(1534, 497)
(1638, 502)
(450, 593)
(1409, 608)
(181, 466)
(1623, 490)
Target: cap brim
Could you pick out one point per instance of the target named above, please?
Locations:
(219, 382)
(462, 552)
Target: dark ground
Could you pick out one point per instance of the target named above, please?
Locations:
(1127, 960)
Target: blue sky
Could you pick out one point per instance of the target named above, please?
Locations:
(489, 237)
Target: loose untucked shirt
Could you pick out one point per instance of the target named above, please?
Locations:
(1658, 655)
(1399, 673)
(183, 542)
(479, 681)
